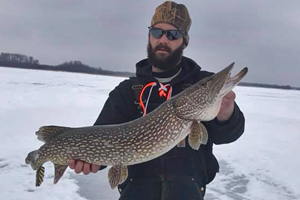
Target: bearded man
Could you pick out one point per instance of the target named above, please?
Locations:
(182, 173)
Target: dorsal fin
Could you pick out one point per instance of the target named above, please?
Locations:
(47, 133)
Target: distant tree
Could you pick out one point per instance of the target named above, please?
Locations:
(76, 66)
(18, 58)
(28, 62)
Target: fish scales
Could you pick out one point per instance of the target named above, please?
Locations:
(139, 140)
(112, 139)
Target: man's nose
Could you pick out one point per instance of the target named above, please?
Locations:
(164, 39)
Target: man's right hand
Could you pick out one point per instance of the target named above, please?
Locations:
(81, 166)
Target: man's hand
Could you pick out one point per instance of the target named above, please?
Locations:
(227, 107)
(81, 166)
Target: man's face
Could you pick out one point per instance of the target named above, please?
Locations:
(164, 54)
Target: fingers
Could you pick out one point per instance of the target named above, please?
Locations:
(228, 99)
(95, 168)
(227, 107)
(86, 168)
(80, 166)
(72, 164)
(230, 95)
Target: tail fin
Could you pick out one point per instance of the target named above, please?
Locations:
(47, 133)
(39, 176)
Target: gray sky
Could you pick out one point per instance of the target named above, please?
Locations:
(263, 35)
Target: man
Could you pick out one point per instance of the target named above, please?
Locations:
(182, 173)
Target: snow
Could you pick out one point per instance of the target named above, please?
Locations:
(261, 165)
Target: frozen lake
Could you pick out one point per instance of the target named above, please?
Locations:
(261, 165)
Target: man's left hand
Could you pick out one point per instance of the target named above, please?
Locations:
(227, 107)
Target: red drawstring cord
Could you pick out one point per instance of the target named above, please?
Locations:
(141, 96)
(162, 92)
(163, 89)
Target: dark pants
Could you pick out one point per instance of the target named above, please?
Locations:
(175, 189)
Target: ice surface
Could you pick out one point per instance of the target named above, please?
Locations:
(262, 165)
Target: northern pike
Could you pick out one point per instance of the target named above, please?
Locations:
(139, 140)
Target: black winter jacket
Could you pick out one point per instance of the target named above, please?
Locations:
(181, 170)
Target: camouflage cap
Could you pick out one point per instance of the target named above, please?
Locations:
(174, 14)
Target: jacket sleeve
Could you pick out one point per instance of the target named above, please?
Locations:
(229, 131)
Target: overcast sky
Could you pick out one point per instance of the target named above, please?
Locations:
(263, 35)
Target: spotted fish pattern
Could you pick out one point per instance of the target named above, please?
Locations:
(139, 140)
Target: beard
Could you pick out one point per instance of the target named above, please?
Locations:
(164, 62)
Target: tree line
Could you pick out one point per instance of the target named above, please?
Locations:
(28, 62)
(18, 58)
(262, 85)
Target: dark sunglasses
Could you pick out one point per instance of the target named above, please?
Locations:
(170, 34)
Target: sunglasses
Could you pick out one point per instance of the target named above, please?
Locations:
(170, 34)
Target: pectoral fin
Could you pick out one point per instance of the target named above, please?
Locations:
(198, 135)
(39, 176)
(117, 174)
(59, 171)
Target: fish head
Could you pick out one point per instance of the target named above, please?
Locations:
(222, 82)
(31, 159)
(216, 87)
(202, 101)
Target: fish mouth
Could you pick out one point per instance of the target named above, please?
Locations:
(228, 82)
(231, 82)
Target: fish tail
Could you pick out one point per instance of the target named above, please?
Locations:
(39, 176)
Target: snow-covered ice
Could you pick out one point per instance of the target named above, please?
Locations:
(262, 165)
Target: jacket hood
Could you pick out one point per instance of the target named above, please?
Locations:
(189, 69)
